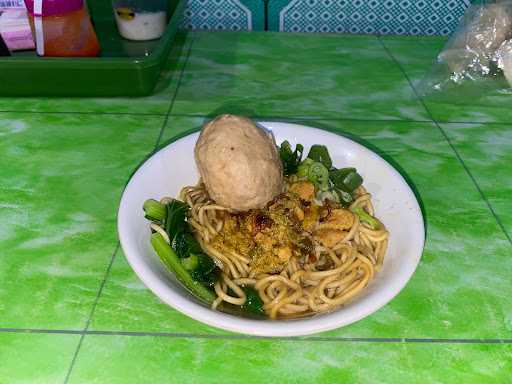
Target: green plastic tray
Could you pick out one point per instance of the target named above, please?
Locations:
(124, 68)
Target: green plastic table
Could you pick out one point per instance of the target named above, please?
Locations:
(72, 311)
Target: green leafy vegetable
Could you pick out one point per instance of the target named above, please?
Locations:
(303, 168)
(345, 179)
(337, 176)
(290, 159)
(171, 261)
(202, 268)
(319, 175)
(320, 154)
(211, 278)
(253, 304)
(200, 265)
(190, 263)
(185, 243)
(345, 198)
(154, 211)
(315, 172)
(176, 215)
(366, 217)
(353, 181)
(196, 269)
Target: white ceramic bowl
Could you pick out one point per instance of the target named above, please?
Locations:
(173, 167)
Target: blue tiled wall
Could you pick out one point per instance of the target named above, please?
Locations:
(396, 17)
(402, 17)
(232, 15)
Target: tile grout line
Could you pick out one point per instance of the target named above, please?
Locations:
(107, 272)
(174, 96)
(257, 117)
(84, 113)
(306, 118)
(452, 146)
(91, 313)
(473, 122)
(319, 118)
(178, 335)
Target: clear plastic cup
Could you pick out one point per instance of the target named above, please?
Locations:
(140, 19)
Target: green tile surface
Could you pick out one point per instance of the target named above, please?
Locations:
(61, 180)
(272, 74)
(487, 150)
(158, 103)
(35, 358)
(63, 169)
(487, 101)
(416, 54)
(129, 360)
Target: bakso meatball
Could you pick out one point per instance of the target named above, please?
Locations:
(238, 163)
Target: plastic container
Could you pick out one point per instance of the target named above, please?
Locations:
(140, 19)
(15, 29)
(477, 59)
(62, 28)
(124, 68)
(4, 51)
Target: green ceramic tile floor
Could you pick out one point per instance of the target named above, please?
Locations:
(72, 311)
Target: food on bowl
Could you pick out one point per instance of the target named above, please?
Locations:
(238, 163)
(309, 246)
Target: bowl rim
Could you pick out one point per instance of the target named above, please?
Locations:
(266, 328)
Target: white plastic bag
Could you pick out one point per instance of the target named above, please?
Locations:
(480, 52)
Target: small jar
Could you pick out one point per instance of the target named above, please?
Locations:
(140, 19)
(62, 28)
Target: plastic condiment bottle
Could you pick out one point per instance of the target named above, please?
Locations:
(62, 28)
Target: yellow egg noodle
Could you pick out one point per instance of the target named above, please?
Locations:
(327, 276)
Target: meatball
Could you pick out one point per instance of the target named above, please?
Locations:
(238, 163)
